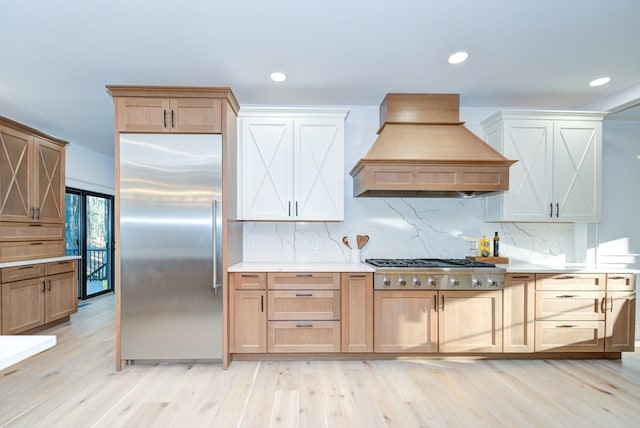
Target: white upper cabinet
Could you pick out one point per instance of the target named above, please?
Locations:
(558, 174)
(291, 164)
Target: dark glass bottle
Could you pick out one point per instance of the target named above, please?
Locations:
(496, 245)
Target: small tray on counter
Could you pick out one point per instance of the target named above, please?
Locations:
(490, 259)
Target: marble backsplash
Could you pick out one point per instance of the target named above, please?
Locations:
(406, 228)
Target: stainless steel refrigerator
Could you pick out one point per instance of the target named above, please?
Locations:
(170, 246)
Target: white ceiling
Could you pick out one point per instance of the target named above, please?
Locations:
(56, 56)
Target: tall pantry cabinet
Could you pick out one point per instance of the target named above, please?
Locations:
(557, 176)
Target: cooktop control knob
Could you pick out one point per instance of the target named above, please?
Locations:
(401, 281)
(432, 282)
(386, 281)
(475, 282)
(491, 282)
(454, 282)
(416, 281)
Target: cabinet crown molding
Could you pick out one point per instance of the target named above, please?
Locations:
(544, 115)
(293, 112)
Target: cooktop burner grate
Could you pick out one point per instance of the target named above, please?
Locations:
(428, 263)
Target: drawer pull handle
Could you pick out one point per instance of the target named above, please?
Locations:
(246, 275)
(304, 325)
(36, 243)
(521, 276)
(304, 294)
(566, 326)
(566, 296)
(358, 276)
(27, 267)
(35, 225)
(603, 305)
(564, 277)
(304, 275)
(616, 277)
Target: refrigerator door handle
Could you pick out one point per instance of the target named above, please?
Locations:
(217, 245)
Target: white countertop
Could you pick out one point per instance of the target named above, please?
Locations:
(513, 267)
(520, 267)
(37, 261)
(300, 267)
(14, 349)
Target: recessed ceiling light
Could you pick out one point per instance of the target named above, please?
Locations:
(600, 81)
(278, 76)
(458, 57)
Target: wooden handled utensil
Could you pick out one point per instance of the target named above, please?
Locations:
(362, 240)
(345, 241)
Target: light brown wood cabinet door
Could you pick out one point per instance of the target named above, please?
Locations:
(61, 296)
(249, 322)
(49, 180)
(470, 321)
(357, 312)
(620, 313)
(138, 114)
(22, 305)
(16, 160)
(196, 115)
(405, 321)
(518, 312)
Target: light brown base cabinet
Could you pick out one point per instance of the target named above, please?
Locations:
(585, 312)
(518, 312)
(340, 315)
(39, 294)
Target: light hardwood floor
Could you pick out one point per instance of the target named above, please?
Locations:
(75, 384)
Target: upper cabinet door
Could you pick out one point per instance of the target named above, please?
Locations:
(137, 114)
(16, 160)
(530, 186)
(291, 165)
(266, 169)
(318, 169)
(557, 176)
(576, 170)
(182, 115)
(49, 181)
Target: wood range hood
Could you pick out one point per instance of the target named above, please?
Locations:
(423, 150)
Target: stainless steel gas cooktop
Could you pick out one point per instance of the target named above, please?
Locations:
(436, 274)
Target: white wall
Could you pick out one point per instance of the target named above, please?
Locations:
(619, 230)
(89, 170)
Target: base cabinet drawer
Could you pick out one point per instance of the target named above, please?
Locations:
(303, 305)
(570, 305)
(16, 251)
(569, 336)
(571, 281)
(303, 336)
